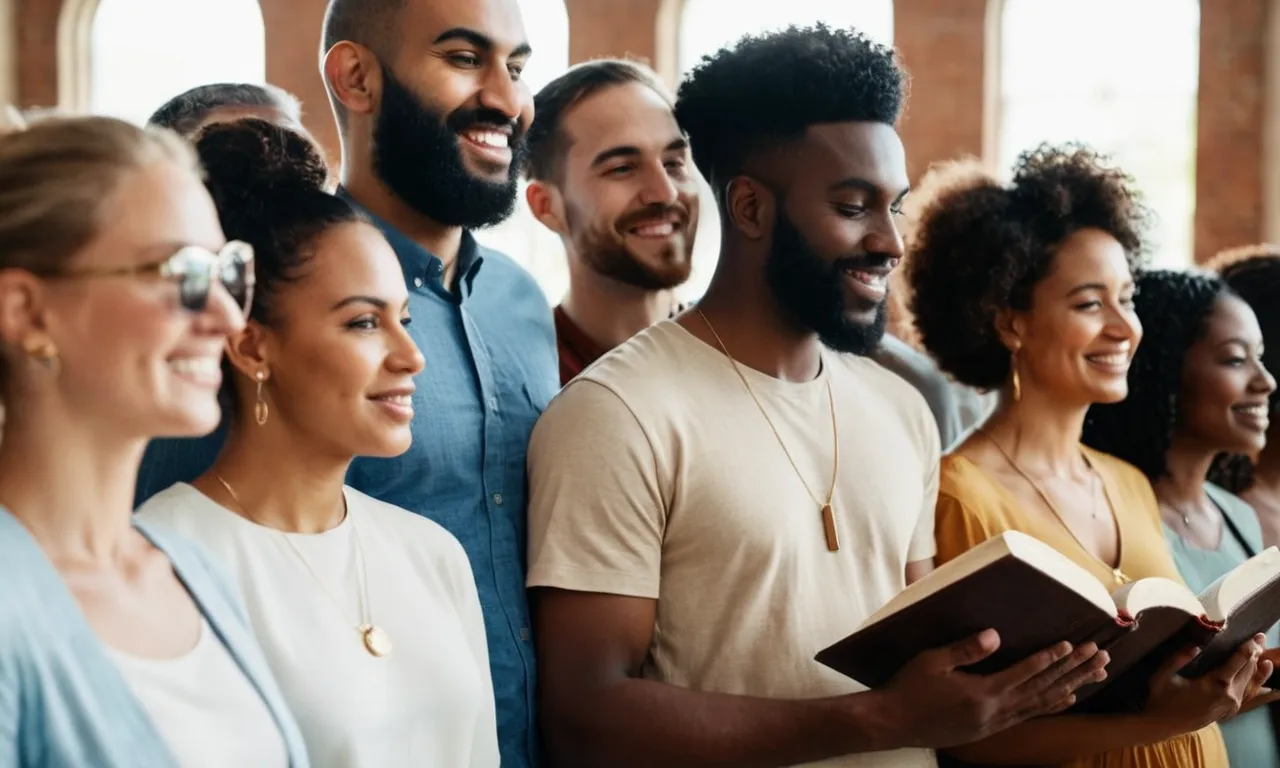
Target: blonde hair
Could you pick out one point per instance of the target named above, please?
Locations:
(56, 175)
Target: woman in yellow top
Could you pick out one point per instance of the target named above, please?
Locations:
(1028, 289)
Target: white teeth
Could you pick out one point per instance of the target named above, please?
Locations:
(489, 138)
(406, 400)
(200, 366)
(660, 229)
(1259, 411)
(1116, 359)
(873, 279)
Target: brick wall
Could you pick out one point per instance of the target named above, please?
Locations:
(943, 44)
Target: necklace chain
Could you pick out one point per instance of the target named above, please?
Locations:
(828, 518)
(365, 625)
(1115, 570)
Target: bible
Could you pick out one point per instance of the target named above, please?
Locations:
(1034, 597)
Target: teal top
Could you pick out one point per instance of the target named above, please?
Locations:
(63, 702)
(1250, 737)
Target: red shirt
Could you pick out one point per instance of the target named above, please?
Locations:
(577, 349)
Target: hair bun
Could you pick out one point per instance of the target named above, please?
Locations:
(254, 161)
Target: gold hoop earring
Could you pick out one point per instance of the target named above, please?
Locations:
(260, 410)
(1015, 379)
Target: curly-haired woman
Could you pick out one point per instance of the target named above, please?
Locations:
(1027, 288)
(1253, 272)
(1197, 388)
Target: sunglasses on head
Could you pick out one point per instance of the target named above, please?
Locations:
(194, 270)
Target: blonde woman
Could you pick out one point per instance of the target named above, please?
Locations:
(119, 646)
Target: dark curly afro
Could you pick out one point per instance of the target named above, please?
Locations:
(767, 89)
(1253, 272)
(979, 246)
(1174, 308)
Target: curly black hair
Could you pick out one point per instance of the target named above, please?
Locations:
(979, 246)
(767, 89)
(1253, 272)
(1174, 308)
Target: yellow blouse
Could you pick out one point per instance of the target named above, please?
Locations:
(973, 507)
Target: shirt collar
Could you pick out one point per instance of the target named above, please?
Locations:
(419, 265)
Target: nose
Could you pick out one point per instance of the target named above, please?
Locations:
(501, 91)
(885, 238)
(404, 356)
(658, 188)
(222, 314)
(1123, 324)
(1262, 382)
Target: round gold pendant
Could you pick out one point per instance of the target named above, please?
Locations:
(376, 641)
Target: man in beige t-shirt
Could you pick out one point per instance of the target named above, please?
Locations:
(729, 492)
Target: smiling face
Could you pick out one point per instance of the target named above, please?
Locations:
(1223, 401)
(130, 353)
(448, 137)
(629, 194)
(835, 239)
(1076, 341)
(341, 361)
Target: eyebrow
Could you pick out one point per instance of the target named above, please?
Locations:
(371, 300)
(1238, 340)
(479, 40)
(632, 151)
(863, 185)
(1095, 287)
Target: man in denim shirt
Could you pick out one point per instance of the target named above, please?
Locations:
(432, 128)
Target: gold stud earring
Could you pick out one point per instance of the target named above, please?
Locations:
(45, 353)
(1015, 380)
(260, 410)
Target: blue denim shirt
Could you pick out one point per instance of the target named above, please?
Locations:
(491, 369)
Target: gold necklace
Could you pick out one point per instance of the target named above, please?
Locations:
(376, 641)
(829, 529)
(1115, 570)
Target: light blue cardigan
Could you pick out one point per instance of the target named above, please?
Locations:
(63, 704)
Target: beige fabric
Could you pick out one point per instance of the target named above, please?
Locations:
(653, 474)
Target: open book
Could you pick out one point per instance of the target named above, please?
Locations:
(1034, 597)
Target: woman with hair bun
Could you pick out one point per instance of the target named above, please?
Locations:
(1253, 272)
(120, 645)
(1027, 288)
(1197, 388)
(368, 613)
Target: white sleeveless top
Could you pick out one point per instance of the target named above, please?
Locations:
(205, 709)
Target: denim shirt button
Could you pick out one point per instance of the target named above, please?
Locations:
(497, 499)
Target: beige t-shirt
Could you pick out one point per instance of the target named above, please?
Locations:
(654, 474)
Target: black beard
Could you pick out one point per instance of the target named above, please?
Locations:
(808, 288)
(416, 153)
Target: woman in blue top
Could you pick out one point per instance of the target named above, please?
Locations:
(119, 647)
(1197, 388)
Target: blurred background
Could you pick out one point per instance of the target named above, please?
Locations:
(1185, 94)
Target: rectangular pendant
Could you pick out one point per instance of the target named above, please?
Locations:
(829, 528)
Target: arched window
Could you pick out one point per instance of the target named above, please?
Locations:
(708, 25)
(1121, 76)
(522, 237)
(144, 52)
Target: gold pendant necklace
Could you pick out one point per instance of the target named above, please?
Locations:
(1116, 573)
(829, 530)
(376, 640)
